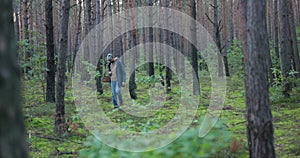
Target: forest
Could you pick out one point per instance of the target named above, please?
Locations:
(149, 78)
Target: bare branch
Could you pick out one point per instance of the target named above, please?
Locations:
(212, 6)
(220, 28)
(210, 19)
(221, 50)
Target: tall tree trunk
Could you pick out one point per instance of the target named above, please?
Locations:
(182, 45)
(176, 38)
(166, 33)
(276, 29)
(40, 19)
(160, 55)
(259, 118)
(78, 34)
(50, 78)
(60, 123)
(98, 12)
(111, 25)
(224, 51)
(31, 28)
(150, 53)
(119, 29)
(196, 85)
(286, 46)
(133, 42)
(231, 21)
(26, 32)
(295, 54)
(87, 26)
(216, 25)
(217, 36)
(298, 7)
(87, 18)
(12, 129)
(21, 22)
(100, 61)
(269, 19)
(17, 22)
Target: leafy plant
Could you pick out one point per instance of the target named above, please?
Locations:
(235, 59)
(277, 87)
(92, 71)
(36, 62)
(187, 145)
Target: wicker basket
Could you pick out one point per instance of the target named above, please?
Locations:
(106, 79)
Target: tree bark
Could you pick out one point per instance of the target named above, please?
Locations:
(111, 25)
(276, 29)
(286, 47)
(295, 54)
(217, 27)
(98, 12)
(224, 51)
(12, 129)
(259, 118)
(231, 21)
(50, 78)
(78, 34)
(269, 19)
(60, 123)
(100, 61)
(87, 26)
(151, 63)
(133, 42)
(196, 85)
(87, 18)
(17, 24)
(26, 32)
(166, 35)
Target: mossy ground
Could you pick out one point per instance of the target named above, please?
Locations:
(39, 120)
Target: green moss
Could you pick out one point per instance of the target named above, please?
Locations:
(39, 119)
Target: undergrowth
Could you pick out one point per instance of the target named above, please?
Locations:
(227, 139)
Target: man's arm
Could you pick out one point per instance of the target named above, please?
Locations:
(123, 71)
(109, 70)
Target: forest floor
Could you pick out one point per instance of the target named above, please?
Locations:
(39, 119)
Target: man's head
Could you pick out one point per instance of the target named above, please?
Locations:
(109, 57)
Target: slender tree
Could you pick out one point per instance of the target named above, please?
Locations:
(87, 27)
(196, 85)
(166, 36)
(78, 33)
(295, 54)
(50, 78)
(99, 42)
(133, 42)
(259, 118)
(12, 130)
(224, 51)
(182, 45)
(26, 32)
(150, 53)
(286, 46)
(87, 18)
(60, 126)
(217, 28)
(231, 21)
(17, 23)
(276, 29)
(268, 55)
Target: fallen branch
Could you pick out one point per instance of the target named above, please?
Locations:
(238, 123)
(59, 153)
(57, 139)
(29, 106)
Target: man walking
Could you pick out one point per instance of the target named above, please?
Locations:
(117, 74)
